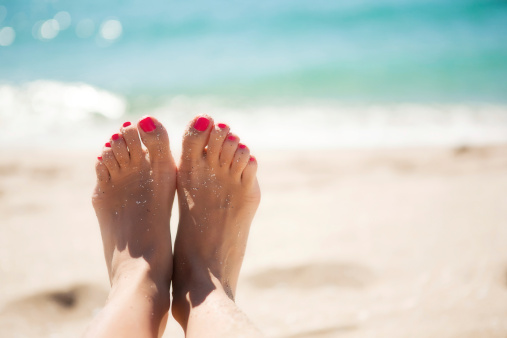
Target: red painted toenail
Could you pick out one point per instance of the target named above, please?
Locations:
(147, 124)
(222, 125)
(108, 144)
(99, 158)
(232, 138)
(126, 124)
(201, 124)
(115, 137)
(242, 146)
(252, 158)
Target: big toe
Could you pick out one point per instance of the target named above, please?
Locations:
(155, 138)
(196, 138)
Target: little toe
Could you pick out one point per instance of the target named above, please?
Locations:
(228, 149)
(131, 137)
(101, 170)
(240, 160)
(109, 160)
(250, 171)
(216, 140)
(155, 138)
(120, 150)
(196, 138)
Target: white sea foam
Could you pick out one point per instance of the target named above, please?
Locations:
(324, 124)
(55, 114)
(44, 112)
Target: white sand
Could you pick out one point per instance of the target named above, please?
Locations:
(398, 243)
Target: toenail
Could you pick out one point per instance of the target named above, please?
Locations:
(108, 144)
(222, 125)
(232, 138)
(99, 158)
(126, 124)
(242, 146)
(201, 124)
(252, 158)
(115, 137)
(147, 124)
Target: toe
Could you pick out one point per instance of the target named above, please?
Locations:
(250, 171)
(109, 160)
(131, 138)
(120, 150)
(228, 149)
(240, 160)
(216, 140)
(155, 138)
(196, 138)
(101, 170)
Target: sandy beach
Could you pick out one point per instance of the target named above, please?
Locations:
(366, 243)
(379, 127)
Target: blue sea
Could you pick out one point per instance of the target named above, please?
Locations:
(318, 73)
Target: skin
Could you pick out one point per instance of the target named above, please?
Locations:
(218, 195)
(132, 200)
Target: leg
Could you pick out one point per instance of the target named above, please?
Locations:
(218, 195)
(133, 198)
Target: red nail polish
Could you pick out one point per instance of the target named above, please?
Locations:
(232, 138)
(147, 124)
(99, 158)
(242, 146)
(108, 144)
(126, 124)
(252, 158)
(115, 137)
(222, 125)
(201, 124)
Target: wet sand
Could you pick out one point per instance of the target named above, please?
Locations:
(391, 243)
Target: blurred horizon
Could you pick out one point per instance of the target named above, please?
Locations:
(352, 73)
(384, 51)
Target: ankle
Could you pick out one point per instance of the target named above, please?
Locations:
(193, 287)
(140, 283)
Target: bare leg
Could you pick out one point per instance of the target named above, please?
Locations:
(218, 195)
(132, 200)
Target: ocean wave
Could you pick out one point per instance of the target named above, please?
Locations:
(331, 124)
(57, 114)
(46, 99)
(46, 112)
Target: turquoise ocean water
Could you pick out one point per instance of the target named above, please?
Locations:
(354, 68)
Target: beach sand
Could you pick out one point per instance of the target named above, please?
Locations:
(366, 243)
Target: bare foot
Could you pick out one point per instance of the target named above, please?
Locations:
(132, 200)
(218, 195)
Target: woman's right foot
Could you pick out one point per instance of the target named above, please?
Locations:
(218, 195)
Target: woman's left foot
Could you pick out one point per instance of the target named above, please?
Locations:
(133, 199)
